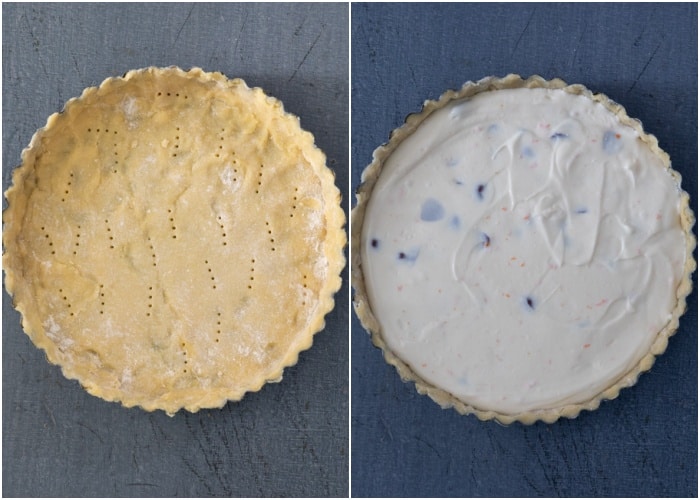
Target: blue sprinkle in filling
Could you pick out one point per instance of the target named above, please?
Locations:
(582, 210)
(527, 152)
(455, 222)
(409, 256)
(458, 182)
(485, 240)
(480, 191)
(432, 210)
(611, 142)
(374, 243)
(529, 303)
(558, 135)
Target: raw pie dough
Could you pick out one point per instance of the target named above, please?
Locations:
(522, 249)
(173, 239)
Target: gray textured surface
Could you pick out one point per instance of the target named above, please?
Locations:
(291, 438)
(643, 56)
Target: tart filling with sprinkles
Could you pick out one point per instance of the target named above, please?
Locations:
(549, 242)
(173, 239)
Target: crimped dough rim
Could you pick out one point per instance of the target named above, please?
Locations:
(333, 251)
(363, 308)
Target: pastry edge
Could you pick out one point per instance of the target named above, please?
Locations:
(363, 309)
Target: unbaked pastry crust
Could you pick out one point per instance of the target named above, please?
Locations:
(361, 300)
(173, 239)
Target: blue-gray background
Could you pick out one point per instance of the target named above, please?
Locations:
(291, 438)
(643, 56)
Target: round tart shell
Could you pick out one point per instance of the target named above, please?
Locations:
(363, 308)
(172, 393)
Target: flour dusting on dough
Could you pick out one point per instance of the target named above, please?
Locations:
(127, 377)
(53, 331)
(130, 110)
(51, 326)
(320, 267)
(228, 178)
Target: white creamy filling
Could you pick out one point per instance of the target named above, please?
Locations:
(522, 249)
